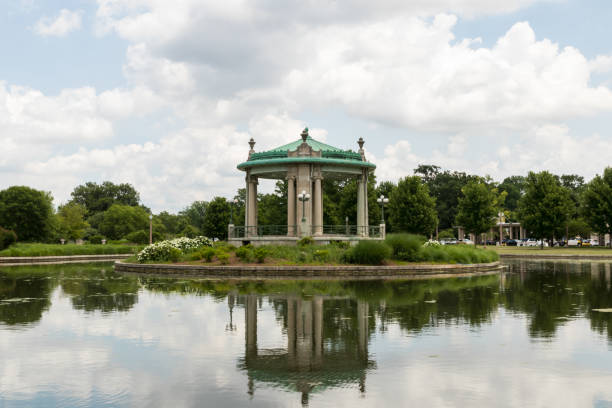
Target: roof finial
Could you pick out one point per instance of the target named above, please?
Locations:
(360, 142)
(305, 134)
(252, 143)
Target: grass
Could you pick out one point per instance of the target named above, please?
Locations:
(365, 253)
(552, 251)
(23, 249)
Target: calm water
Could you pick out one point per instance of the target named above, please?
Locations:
(81, 335)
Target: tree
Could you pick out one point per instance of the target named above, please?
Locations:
(514, 186)
(478, 207)
(340, 201)
(272, 208)
(72, 222)
(26, 211)
(98, 198)
(196, 214)
(217, 218)
(119, 220)
(445, 187)
(597, 202)
(544, 208)
(411, 208)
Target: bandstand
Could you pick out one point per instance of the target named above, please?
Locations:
(304, 164)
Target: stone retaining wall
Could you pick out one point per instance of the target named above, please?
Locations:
(559, 257)
(307, 272)
(37, 260)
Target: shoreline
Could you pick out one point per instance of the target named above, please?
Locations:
(353, 272)
(57, 259)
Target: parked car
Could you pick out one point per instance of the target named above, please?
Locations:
(595, 242)
(586, 243)
(465, 241)
(448, 241)
(491, 242)
(510, 242)
(577, 241)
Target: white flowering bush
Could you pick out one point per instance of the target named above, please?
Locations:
(432, 243)
(171, 250)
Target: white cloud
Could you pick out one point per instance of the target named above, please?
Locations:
(60, 26)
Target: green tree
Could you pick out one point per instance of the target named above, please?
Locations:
(445, 187)
(120, 220)
(272, 208)
(72, 222)
(26, 211)
(514, 186)
(196, 214)
(545, 207)
(217, 218)
(478, 207)
(411, 208)
(98, 198)
(597, 202)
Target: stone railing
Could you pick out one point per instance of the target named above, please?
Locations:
(372, 231)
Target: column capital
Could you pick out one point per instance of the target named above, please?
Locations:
(317, 177)
(288, 178)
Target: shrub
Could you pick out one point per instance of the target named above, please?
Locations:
(138, 237)
(223, 257)
(342, 244)
(260, 254)
(96, 239)
(224, 246)
(405, 246)
(447, 233)
(369, 252)
(160, 250)
(7, 238)
(306, 241)
(207, 254)
(321, 255)
(245, 253)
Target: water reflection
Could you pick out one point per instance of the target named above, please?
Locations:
(327, 344)
(302, 342)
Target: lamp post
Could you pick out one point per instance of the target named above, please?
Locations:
(303, 197)
(150, 229)
(382, 200)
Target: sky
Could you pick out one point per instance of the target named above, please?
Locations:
(165, 95)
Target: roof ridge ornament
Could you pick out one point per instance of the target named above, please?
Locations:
(304, 134)
(252, 144)
(361, 142)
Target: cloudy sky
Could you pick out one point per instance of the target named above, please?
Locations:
(166, 94)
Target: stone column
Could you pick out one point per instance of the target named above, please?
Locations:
(291, 202)
(252, 206)
(510, 231)
(250, 311)
(360, 207)
(317, 198)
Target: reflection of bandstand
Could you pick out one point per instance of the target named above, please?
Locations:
(304, 164)
(306, 365)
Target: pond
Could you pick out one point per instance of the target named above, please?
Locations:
(82, 335)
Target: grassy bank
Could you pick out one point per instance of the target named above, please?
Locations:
(397, 249)
(68, 249)
(599, 251)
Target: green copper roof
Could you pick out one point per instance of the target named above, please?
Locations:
(329, 155)
(315, 144)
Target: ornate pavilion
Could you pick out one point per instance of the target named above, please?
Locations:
(304, 164)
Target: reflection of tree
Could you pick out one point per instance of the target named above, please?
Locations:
(23, 299)
(598, 295)
(106, 295)
(25, 291)
(552, 292)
